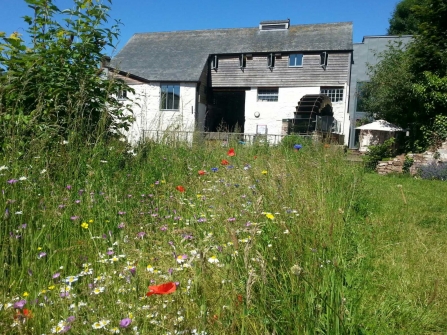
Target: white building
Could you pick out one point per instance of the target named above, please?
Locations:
(247, 80)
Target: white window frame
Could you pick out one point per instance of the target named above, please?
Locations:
(169, 100)
(214, 62)
(295, 57)
(271, 61)
(269, 94)
(323, 59)
(336, 93)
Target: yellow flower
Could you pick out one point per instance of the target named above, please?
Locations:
(163, 181)
(51, 287)
(264, 172)
(84, 225)
(269, 216)
(39, 248)
(90, 221)
(25, 294)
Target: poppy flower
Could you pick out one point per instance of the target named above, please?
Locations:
(231, 152)
(202, 172)
(180, 188)
(166, 288)
(25, 313)
(224, 162)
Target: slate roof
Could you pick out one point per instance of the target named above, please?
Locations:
(182, 55)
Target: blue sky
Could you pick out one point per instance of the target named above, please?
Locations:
(369, 17)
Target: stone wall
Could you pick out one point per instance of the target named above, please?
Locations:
(396, 164)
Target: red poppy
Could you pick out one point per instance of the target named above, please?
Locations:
(25, 313)
(224, 162)
(180, 188)
(231, 152)
(256, 157)
(166, 288)
(202, 172)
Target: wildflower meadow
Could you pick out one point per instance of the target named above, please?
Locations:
(207, 239)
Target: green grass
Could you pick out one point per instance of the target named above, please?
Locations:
(306, 243)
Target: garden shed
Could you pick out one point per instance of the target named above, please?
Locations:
(376, 132)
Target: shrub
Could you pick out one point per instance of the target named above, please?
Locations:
(378, 152)
(437, 171)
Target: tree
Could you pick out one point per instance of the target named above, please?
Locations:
(403, 20)
(55, 88)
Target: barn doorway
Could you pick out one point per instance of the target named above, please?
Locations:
(227, 113)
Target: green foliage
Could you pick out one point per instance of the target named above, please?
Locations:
(378, 152)
(55, 88)
(404, 21)
(436, 133)
(408, 163)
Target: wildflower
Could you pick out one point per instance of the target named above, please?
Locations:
(214, 169)
(24, 314)
(41, 255)
(12, 181)
(264, 172)
(213, 260)
(297, 147)
(100, 324)
(73, 218)
(56, 275)
(166, 288)
(68, 187)
(180, 188)
(23, 178)
(181, 258)
(124, 323)
(121, 225)
(296, 270)
(224, 162)
(231, 152)
(90, 221)
(202, 172)
(121, 213)
(149, 268)
(43, 171)
(70, 279)
(269, 216)
(84, 225)
(19, 304)
(98, 290)
(141, 234)
(3, 167)
(115, 330)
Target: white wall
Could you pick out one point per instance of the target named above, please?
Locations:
(148, 116)
(272, 113)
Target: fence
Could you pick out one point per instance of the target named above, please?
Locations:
(172, 136)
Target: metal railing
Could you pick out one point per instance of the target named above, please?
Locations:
(171, 136)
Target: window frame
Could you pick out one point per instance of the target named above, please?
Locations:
(165, 101)
(268, 92)
(323, 59)
(335, 94)
(296, 57)
(122, 95)
(214, 62)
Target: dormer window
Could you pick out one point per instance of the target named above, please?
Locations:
(295, 60)
(214, 62)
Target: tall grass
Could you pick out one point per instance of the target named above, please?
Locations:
(274, 242)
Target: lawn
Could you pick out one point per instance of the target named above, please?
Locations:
(202, 239)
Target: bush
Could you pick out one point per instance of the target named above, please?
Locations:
(437, 171)
(378, 152)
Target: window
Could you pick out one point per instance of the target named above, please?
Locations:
(214, 62)
(323, 59)
(361, 95)
(170, 96)
(335, 93)
(271, 61)
(122, 95)
(243, 61)
(296, 60)
(267, 94)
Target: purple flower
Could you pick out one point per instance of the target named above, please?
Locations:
(110, 252)
(77, 201)
(121, 225)
(214, 169)
(71, 319)
(19, 304)
(65, 329)
(12, 181)
(68, 187)
(61, 206)
(141, 234)
(121, 213)
(23, 226)
(133, 270)
(64, 294)
(41, 255)
(231, 219)
(74, 218)
(124, 323)
(163, 228)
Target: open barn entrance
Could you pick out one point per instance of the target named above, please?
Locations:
(227, 112)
